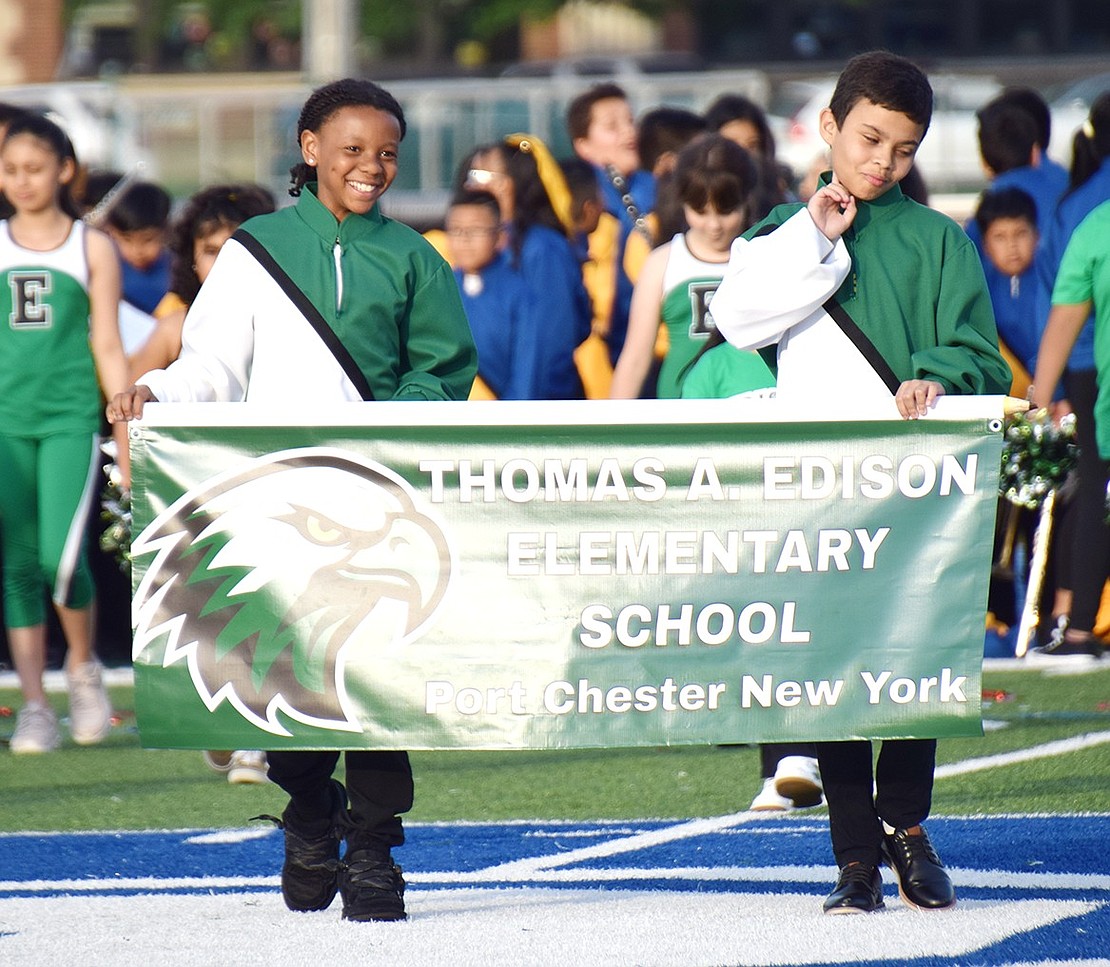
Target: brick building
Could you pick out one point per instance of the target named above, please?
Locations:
(30, 40)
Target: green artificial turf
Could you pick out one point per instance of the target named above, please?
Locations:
(118, 785)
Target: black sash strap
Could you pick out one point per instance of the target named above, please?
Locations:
(848, 326)
(304, 305)
(866, 347)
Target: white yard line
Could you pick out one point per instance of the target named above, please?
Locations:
(626, 844)
(1049, 749)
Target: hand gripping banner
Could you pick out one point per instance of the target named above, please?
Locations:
(536, 575)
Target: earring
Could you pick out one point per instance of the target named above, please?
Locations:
(312, 162)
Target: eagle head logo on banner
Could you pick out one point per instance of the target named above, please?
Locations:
(269, 578)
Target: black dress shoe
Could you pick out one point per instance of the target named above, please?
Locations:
(859, 889)
(923, 882)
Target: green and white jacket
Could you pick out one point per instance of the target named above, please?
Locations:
(908, 277)
(383, 290)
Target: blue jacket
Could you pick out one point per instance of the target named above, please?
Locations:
(1015, 312)
(144, 288)
(559, 310)
(509, 350)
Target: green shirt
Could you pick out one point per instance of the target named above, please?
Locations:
(917, 290)
(1084, 276)
(725, 371)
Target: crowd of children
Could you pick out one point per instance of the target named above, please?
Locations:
(627, 270)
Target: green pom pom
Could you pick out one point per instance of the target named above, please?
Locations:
(1037, 456)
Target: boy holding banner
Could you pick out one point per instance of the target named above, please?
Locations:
(877, 300)
(328, 300)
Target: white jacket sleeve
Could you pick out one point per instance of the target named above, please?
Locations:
(776, 281)
(217, 341)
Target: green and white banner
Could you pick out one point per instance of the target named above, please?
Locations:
(536, 575)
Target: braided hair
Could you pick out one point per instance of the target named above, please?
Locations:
(323, 102)
(1091, 145)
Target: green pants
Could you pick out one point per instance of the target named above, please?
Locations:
(46, 488)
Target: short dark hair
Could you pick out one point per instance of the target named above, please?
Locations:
(140, 205)
(1007, 135)
(1005, 203)
(476, 199)
(323, 102)
(581, 107)
(715, 171)
(666, 129)
(887, 80)
(736, 107)
(581, 179)
(1035, 106)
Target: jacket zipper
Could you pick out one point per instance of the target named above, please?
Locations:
(337, 252)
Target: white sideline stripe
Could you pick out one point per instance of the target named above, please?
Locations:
(1059, 747)
(734, 874)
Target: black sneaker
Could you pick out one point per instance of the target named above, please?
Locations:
(923, 882)
(309, 875)
(859, 889)
(1060, 646)
(371, 885)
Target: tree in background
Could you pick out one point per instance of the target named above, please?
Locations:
(259, 34)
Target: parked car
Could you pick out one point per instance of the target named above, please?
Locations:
(948, 157)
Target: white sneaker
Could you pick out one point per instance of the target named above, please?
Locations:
(247, 767)
(769, 801)
(218, 761)
(36, 730)
(799, 780)
(90, 711)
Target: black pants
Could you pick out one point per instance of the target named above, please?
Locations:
(903, 792)
(379, 786)
(1085, 537)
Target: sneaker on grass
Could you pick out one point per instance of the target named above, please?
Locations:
(768, 800)
(36, 730)
(218, 760)
(1065, 645)
(90, 711)
(247, 767)
(798, 778)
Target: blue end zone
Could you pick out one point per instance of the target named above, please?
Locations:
(993, 859)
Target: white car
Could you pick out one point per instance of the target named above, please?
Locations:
(948, 158)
